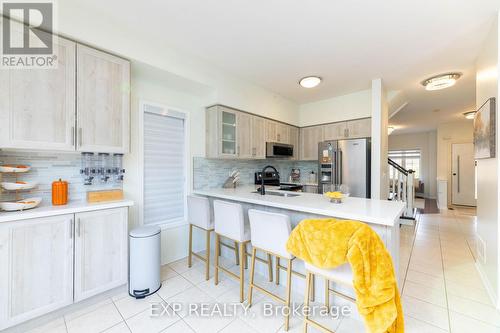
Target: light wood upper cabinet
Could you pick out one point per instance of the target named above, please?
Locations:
(277, 132)
(335, 131)
(294, 140)
(37, 106)
(100, 251)
(361, 128)
(310, 137)
(244, 130)
(258, 137)
(103, 101)
(36, 277)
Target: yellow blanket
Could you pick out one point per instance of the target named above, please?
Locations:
(328, 243)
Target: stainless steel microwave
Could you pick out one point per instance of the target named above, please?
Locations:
(276, 149)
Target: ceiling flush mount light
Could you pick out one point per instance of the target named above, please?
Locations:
(390, 129)
(441, 81)
(310, 81)
(469, 115)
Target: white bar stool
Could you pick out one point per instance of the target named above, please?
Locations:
(230, 223)
(341, 274)
(270, 232)
(199, 216)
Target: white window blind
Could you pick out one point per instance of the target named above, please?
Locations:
(164, 166)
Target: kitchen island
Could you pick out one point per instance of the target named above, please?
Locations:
(381, 215)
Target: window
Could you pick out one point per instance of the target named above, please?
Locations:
(408, 159)
(164, 166)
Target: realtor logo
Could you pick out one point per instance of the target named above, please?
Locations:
(27, 39)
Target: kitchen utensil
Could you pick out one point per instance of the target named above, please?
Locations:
(59, 192)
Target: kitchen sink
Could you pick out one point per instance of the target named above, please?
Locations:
(280, 194)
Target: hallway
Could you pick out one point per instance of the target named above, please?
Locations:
(442, 286)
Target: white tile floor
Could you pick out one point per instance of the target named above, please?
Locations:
(442, 292)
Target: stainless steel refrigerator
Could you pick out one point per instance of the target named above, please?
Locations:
(345, 162)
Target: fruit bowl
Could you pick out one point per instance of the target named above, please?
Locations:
(14, 168)
(19, 186)
(335, 197)
(20, 205)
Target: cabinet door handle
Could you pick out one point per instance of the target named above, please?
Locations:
(73, 136)
(78, 227)
(238, 150)
(71, 229)
(278, 137)
(80, 135)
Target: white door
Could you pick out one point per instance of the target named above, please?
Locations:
(103, 101)
(463, 176)
(36, 274)
(37, 107)
(100, 251)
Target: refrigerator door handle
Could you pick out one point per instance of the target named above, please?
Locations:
(340, 168)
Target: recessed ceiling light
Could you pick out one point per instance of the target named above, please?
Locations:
(441, 81)
(469, 115)
(390, 129)
(310, 81)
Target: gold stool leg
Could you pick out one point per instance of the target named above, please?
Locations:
(252, 270)
(277, 267)
(217, 253)
(242, 271)
(207, 267)
(245, 257)
(288, 293)
(190, 249)
(306, 300)
(270, 267)
(236, 253)
(313, 289)
(327, 294)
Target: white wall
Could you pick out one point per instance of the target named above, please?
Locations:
(152, 85)
(380, 141)
(426, 143)
(487, 74)
(350, 106)
(99, 31)
(448, 134)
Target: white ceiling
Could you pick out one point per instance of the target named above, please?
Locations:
(348, 43)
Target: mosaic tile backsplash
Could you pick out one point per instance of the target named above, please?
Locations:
(47, 167)
(211, 173)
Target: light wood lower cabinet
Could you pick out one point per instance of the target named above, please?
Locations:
(51, 262)
(100, 251)
(36, 275)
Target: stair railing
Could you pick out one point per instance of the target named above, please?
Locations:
(402, 188)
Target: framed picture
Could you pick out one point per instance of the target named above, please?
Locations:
(485, 130)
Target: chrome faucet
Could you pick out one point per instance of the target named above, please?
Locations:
(262, 189)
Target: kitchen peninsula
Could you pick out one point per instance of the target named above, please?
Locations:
(381, 215)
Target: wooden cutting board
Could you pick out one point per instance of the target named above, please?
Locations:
(104, 195)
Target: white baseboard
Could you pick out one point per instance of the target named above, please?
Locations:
(489, 289)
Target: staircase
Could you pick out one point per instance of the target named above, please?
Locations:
(403, 189)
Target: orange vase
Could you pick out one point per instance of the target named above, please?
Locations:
(59, 192)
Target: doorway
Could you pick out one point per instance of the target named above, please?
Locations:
(463, 180)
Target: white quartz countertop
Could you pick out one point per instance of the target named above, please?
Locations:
(46, 209)
(381, 212)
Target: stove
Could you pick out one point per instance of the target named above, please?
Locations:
(272, 178)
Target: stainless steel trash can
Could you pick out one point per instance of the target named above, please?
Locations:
(144, 261)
